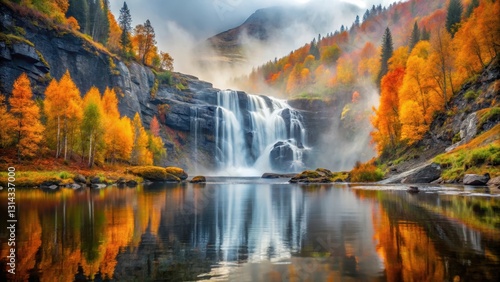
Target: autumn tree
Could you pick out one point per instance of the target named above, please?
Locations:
(441, 63)
(386, 122)
(92, 125)
(115, 33)
(52, 105)
(145, 37)
(156, 149)
(453, 16)
(118, 135)
(419, 96)
(69, 103)
(387, 49)
(125, 21)
(166, 61)
(154, 127)
(8, 123)
(28, 128)
(140, 154)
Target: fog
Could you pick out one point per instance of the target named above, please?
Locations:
(182, 28)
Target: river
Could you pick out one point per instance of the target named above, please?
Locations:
(252, 229)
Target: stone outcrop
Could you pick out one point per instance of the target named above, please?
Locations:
(476, 180)
(426, 174)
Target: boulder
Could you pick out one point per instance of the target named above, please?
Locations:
(95, 180)
(281, 156)
(98, 186)
(198, 179)
(426, 174)
(476, 179)
(154, 173)
(132, 183)
(320, 175)
(74, 186)
(52, 184)
(177, 171)
(80, 178)
(494, 182)
(277, 175)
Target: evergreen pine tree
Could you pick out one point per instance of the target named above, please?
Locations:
(453, 16)
(79, 9)
(125, 21)
(387, 49)
(425, 35)
(415, 36)
(473, 4)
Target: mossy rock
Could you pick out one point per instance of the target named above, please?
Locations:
(177, 171)
(153, 173)
(198, 179)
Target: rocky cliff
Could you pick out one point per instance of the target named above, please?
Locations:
(45, 51)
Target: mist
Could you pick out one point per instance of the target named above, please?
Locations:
(182, 28)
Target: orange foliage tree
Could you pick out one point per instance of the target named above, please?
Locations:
(8, 123)
(28, 129)
(386, 119)
(140, 153)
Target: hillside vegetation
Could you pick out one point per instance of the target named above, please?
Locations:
(418, 54)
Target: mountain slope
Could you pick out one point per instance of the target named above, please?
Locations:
(282, 25)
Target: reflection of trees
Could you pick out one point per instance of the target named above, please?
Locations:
(420, 245)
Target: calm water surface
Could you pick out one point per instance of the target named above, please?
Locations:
(250, 229)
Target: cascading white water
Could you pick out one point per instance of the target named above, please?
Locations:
(250, 129)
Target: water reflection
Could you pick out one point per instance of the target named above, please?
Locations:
(253, 230)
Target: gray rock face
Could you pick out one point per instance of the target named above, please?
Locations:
(476, 180)
(468, 130)
(427, 174)
(281, 156)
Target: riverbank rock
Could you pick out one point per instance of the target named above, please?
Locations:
(427, 174)
(177, 171)
(476, 180)
(95, 180)
(98, 186)
(80, 178)
(154, 174)
(50, 184)
(131, 183)
(270, 175)
(199, 179)
(494, 182)
(320, 175)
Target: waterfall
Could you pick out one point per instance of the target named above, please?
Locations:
(255, 134)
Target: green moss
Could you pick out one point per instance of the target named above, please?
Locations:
(471, 95)
(10, 39)
(42, 59)
(65, 175)
(487, 115)
(154, 89)
(456, 138)
(165, 78)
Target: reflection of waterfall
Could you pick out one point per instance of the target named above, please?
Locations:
(195, 128)
(257, 132)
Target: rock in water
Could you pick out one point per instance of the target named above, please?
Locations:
(476, 180)
(177, 171)
(198, 179)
